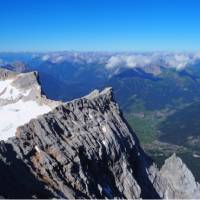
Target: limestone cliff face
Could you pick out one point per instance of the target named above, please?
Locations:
(85, 149)
(22, 86)
(175, 180)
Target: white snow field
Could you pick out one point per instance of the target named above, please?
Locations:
(9, 92)
(16, 109)
(17, 114)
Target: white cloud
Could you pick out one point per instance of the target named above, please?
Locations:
(178, 61)
(130, 61)
(173, 60)
(196, 55)
(46, 57)
(115, 61)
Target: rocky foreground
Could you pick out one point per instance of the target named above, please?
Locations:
(86, 149)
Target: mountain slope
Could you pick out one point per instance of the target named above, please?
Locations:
(149, 93)
(68, 148)
(84, 149)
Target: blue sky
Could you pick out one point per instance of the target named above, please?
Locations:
(100, 25)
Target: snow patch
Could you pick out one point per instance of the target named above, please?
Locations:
(18, 114)
(104, 142)
(91, 116)
(9, 92)
(104, 129)
(37, 148)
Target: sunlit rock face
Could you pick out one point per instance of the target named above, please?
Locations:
(175, 180)
(83, 149)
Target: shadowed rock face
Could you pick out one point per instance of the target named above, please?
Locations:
(16, 179)
(83, 149)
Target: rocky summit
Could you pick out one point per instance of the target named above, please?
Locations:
(85, 149)
(21, 99)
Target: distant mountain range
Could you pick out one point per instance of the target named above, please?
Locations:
(158, 92)
(81, 149)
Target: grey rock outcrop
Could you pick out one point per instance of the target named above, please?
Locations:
(175, 180)
(85, 149)
(5, 74)
(25, 82)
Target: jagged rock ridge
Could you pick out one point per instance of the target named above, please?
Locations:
(85, 149)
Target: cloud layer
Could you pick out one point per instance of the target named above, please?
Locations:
(113, 62)
(173, 60)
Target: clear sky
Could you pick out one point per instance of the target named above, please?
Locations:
(127, 25)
